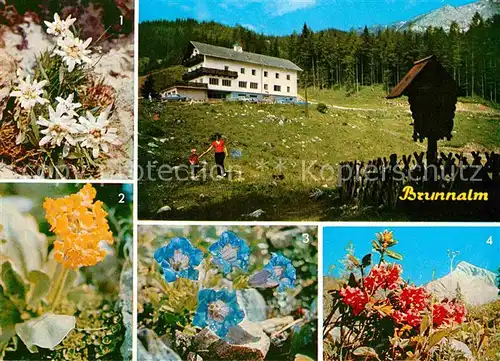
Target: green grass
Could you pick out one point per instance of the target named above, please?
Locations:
(328, 139)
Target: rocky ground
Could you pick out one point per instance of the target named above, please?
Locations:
(115, 67)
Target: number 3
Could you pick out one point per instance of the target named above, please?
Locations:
(305, 238)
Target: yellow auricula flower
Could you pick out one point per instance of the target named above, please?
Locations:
(80, 225)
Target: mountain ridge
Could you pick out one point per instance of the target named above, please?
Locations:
(477, 285)
(445, 15)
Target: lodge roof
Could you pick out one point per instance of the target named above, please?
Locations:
(246, 57)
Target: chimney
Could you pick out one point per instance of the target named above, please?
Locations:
(237, 47)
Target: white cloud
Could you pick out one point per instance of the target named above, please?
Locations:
(249, 27)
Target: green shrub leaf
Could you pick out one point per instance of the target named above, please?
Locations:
(46, 331)
(14, 284)
(394, 255)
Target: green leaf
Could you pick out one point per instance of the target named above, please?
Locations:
(394, 255)
(9, 316)
(376, 246)
(46, 331)
(438, 336)
(23, 244)
(14, 284)
(354, 260)
(40, 285)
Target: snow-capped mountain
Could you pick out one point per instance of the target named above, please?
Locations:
(477, 285)
(444, 16)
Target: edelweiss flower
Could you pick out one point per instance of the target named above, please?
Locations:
(178, 259)
(59, 128)
(97, 134)
(230, 251)
(59, 27)
(29, 93)
(80, 225)
(218, 310)
(73, 51)
(66, 106)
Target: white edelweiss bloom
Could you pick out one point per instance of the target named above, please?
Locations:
(59, 128)
(28, 94)
(97, 134)
(66, 106)
(73, 51)
(59, 27)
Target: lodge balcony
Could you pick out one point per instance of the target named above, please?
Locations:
(209, 71)
(194, 60)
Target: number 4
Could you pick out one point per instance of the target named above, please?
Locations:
(490, 240)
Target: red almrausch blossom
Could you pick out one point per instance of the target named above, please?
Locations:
(412, 297)
(385, 276)
(448, 312)
(355, 298)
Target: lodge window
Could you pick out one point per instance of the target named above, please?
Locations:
(226, 82)
(242, 84)
(226, 68)
(254, 72)
(277, 88)
(242, 70)
(277, 75)
(213, 81)
(265, 74)
(266, 87)
(288, 89)
(254, 85)
(288, 77)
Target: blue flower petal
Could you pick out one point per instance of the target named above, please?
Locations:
(282, 271)
(230, 251)
(218, 310)
(178, 259)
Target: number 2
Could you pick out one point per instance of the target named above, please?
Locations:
(121, 197)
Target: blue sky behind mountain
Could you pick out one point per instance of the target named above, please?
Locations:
(424, 248)
(282, 17)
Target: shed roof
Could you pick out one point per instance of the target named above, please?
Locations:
(227, 53)
(418, 66)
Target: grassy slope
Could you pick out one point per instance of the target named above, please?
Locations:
(328, 138)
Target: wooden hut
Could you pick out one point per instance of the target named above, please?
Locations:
(432, 94)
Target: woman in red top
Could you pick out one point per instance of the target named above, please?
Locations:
(220, 154)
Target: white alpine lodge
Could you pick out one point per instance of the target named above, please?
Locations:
(215, 72)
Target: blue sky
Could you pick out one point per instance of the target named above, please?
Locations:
(424, 248)
(282, 17)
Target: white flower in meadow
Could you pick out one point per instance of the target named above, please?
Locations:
(73, 51)
(28, 94)
(97, 133)
(66, 106)
(59, 27)
(59, 128)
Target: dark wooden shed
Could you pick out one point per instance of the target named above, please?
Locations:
(432, 94)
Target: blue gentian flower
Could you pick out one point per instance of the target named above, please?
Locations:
(281, 271)
(178, 259)
(230, 251)
(218, 310)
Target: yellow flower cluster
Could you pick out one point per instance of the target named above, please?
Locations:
(80, 225)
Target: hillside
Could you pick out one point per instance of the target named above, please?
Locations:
(476, 284)
(279, 139)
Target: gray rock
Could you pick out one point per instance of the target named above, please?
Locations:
(247, 341)
(253, 304)
(7, 77)
(164, 209)
(151, 348)
(272, 325)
